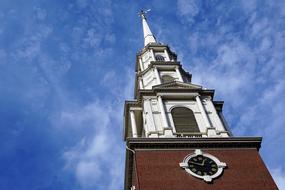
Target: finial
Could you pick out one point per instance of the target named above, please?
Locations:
(142, 13)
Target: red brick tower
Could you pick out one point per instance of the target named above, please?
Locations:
(175, 133)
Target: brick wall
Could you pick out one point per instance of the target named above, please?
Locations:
(159, 170)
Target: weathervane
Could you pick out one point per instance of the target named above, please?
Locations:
(142, 13)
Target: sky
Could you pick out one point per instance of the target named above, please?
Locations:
(66, 68)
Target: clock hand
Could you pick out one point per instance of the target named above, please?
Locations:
(195, 163)
(203, 162)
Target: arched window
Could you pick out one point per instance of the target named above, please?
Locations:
(184, 120)
(159, 58)
(166, 79)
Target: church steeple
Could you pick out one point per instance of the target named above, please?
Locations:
(176, 135)
(148, 36)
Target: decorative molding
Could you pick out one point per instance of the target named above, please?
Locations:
(155, 91)
(186, 143)
(207, 178)
(177, 84)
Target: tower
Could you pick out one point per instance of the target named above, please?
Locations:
(176, 135)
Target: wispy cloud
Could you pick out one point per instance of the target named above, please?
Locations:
(99, 154)
(188, 9)
(241, 60)
(279, 178)
(67, 67)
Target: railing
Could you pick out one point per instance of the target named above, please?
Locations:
(188, 135)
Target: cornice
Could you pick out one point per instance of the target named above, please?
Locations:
(152, 45)
(155, 91)
(186, 143)
(219, 105)
(177, 84)
(159, 63)
(128, 104)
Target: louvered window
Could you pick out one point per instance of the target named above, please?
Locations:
(159, 58)
(166, 79)
(184, 120)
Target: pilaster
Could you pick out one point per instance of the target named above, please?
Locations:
(211, 131)
(133, 123)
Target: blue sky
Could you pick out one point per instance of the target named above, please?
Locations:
(67, 66)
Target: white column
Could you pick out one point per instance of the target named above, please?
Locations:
(179, 74)
(148, 110)
(133, 123)
(141, 84)
(141, 64)
(211, 131)
(152, 54)
(166, 55)
(157, 75)
(202, 110)
(225, 123)
(220, 125)
(162, 111)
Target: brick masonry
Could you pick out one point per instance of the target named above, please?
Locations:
(159, 170)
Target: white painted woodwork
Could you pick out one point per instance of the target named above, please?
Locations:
(162, 112)
(179, 74)
(133, 123)
(152, 55)
(190, 104)
(141, 64)
(215, 119)
(202, 110)
(141, 83)
(157, 75)
(166, 55)
(149, 116)
(155, 112)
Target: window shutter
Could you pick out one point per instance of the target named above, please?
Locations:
(159, 58)
(184, 120)
(167, 78)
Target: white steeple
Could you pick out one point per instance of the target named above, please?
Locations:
(148, 36)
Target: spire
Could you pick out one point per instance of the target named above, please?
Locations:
(148, 36)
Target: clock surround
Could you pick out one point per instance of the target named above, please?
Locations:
(203, 165)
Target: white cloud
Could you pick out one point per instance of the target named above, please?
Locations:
(82, 3)
(93, 38)
(243, 65)
(274, 92)
(230, 73)
(279, 178)
(97, 155)
(3, 56)
(40, 13)
(89, 115)
(88, 171)
(249, 6)
(42, 77)
(188, 7)
(114, 82)
(30, 45)
(110, 38)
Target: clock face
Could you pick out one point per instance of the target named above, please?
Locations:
(202, 165)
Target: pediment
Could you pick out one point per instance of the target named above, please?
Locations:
(177, 84)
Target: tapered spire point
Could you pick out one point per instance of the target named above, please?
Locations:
(148, 36)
